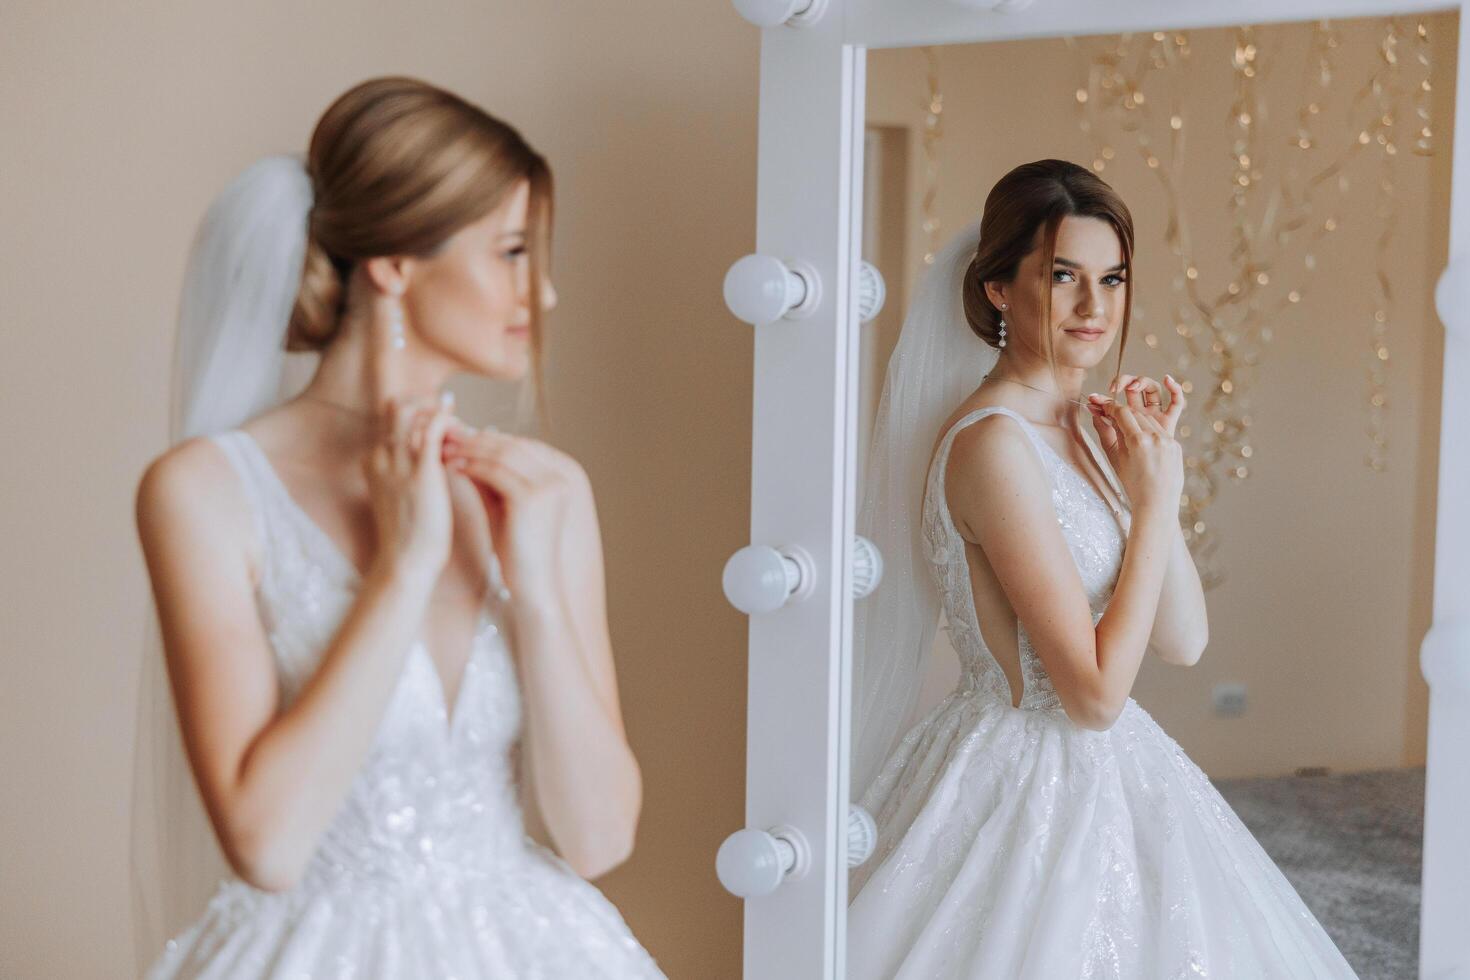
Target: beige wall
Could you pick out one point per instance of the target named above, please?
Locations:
(1329, 565)
(120, 122)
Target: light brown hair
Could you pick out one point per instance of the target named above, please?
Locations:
(1039, 195)
(398, 166)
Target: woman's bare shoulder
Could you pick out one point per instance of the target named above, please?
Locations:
(192, 492)
(196, 477)
(186, 472)
(978, 442)
(991, 462)
(992, 453)
(182, 473)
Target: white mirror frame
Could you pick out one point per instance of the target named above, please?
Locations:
(804, 449)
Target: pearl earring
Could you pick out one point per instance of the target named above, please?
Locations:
(395, 324)
(1003, 326)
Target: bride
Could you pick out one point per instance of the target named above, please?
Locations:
(1037, 824)
(363, 603)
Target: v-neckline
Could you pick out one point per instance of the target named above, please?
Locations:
(352, 581)
(1084, 479)
(352, 574)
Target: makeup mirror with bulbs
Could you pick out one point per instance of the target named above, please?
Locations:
(1289, 172)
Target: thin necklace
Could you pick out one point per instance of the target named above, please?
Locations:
(346, 408)
(1074, 401)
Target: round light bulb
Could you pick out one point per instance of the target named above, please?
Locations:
(751, 863)
(757, 579)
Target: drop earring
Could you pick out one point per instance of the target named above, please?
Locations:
(1003, 325)
(395, 324)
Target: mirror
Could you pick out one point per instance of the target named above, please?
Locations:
(1289, 188)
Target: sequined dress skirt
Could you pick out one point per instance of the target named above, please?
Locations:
(1016, 845)
(527, 917)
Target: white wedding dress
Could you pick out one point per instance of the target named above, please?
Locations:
(426, 870)
(1016, 845)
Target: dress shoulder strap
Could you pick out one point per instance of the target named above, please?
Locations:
(937, 504)
(980, 413)
(232, 443)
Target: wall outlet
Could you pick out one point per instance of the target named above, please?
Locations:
(1229, 700)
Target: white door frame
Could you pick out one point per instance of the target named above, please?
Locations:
(804, 447)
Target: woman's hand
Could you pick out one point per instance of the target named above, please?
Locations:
(1145, 397)
(531, 493)
(409, 487)
(1139, 441)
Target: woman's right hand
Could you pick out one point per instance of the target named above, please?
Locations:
(1144, 454)
(410, 488)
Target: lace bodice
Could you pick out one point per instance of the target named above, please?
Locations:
(1093, 536)
(426, 869)
(438, 790)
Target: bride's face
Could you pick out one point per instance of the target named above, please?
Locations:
(1088, 288)
(471, 301)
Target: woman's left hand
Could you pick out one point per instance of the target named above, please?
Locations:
(532, 493)
(1145, 397)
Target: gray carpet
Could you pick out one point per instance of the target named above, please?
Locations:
(1350, 844)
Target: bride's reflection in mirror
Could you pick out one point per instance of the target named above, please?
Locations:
(1055, 795)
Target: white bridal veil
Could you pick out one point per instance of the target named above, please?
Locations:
(937, 362)
(241, 280)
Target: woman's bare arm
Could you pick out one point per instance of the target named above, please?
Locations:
(587, 781)
(270, 783)
(543, 519)
(1181, 627)
(999, 493)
